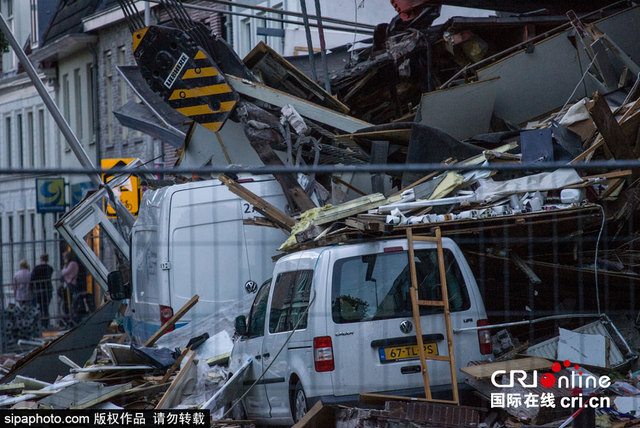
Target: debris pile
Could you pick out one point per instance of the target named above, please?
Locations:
(506, 105)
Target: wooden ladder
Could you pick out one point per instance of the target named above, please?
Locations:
(416, 303)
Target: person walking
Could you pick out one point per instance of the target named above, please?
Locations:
(70, 270)
(22, 284)
(42, 289)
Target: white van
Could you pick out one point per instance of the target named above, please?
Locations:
(190, 239)
(358, 334)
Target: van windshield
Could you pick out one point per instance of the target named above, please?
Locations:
(376, 286)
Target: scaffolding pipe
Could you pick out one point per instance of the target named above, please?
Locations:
(323, 48)
(307, 31)
(68, 134)
(291, 13)
(266, 18)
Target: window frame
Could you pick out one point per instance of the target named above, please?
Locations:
(266, 286)
(450, 259)
(288, 301)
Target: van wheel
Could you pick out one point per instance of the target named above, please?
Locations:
(299, 402)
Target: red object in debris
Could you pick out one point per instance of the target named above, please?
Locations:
(166, 312)
(484, 338)
(409, 9)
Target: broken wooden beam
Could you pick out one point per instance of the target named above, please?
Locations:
(172, 321)
(172, 396)
(610, 129)
(260, 205)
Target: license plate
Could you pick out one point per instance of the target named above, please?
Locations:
(408, 352)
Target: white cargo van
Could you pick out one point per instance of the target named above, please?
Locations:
(358, 334)
(190, 239)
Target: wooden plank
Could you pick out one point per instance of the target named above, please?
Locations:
(425, 238)
(172, 321)
(262, 51)
(609, 128)
(349, 209)
(447, 317)
(430, 303)
(296, 197)
(348, 185)
(590, 151)
(318, 416)
(175, 365)
(260, 221)
(263, 207)
(415, 310)
(446, 358)
(482, 371)
(382, 398)
(170, 395)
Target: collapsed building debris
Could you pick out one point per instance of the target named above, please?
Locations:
(519, 104)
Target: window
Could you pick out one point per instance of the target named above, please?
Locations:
(290, 301)
(30, 139)
(77, 86)
(109, 85)
(32, 217)
(245, 36)
(41, 134)
(20, 141)
(7, 135)
(259, 311)
(34, 23)
(277, 43)
(90, 102)
(261, 23)
(11, 240)
(376, 286)
(9, 16)
(21, 237)
(43, 227)
(66, 107)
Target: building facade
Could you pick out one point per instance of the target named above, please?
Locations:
(249, 31)
(26, 141)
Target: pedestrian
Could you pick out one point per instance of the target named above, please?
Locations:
(70, 270)
(42, 289)
(22, 284)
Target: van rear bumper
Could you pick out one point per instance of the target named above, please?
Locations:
(442, 392)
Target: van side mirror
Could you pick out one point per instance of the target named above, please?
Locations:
(241, 325)
(118, 290)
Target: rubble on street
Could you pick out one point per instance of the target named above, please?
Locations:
(495, 144)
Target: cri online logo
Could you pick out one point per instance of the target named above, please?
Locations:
(548, 380)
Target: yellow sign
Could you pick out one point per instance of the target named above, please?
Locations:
(128, 192)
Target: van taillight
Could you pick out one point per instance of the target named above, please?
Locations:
(245, 180)
(484, 338)
(393, 249)
(323, 354)
(166, 312)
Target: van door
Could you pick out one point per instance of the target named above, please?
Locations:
(371, 319)
(255, 403)
(287, 312)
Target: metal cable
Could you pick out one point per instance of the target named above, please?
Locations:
(596, 259)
